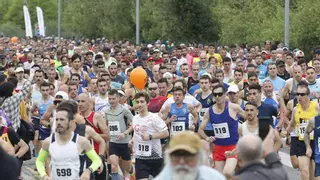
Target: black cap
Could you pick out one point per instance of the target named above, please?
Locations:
(280, 63)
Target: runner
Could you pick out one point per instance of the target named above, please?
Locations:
(176, 115)
(100, 101)
(42, 105)
(223, 116)
(148, 129)
(313, 150)
(76, 65)
(66, 165)
(119, 120)
(97, 122)
(301, 114)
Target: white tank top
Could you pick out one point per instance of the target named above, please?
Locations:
(101, 105)
(245, 130)
(65, 161)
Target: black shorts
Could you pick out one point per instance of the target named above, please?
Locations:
(120, 150)
(301, 148)
(209, 133)
(144, 167)
(35, 122)
(293, 146)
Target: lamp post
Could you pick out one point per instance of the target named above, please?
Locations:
(287, 23)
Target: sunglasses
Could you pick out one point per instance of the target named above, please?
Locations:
(151, 89)
(301, 94)
(217, 94)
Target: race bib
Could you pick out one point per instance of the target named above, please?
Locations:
(144, 148)
(302, 129)
(221, 130)
(177, 127)
(114, 127)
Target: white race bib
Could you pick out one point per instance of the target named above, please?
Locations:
(144, 148)
(177, 127)
(58, 172)
(114, 127)
(302, 129)
(221, 130)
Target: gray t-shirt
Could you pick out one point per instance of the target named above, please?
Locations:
(118, 121)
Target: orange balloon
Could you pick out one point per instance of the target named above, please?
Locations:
(14, 39)
(139, 78)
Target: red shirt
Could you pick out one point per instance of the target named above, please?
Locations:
(155, 104)
(89, 121)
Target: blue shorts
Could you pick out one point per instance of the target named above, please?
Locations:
(317, 170)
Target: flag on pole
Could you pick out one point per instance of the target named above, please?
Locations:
(40, 21)
(27, 21)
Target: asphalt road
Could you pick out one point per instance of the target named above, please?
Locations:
(28, 172)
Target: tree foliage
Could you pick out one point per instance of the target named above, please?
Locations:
(221, 21)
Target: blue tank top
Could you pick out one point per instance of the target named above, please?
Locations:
(182, 121)
(206, 103)
(44, 132)
(42, 107)
(80, 90)
(225, 127)
(83, 82)
(317, 139)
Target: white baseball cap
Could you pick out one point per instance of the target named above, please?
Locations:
(233, 88)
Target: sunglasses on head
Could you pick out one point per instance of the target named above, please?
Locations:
(217, 94)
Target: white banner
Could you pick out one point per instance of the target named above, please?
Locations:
(27, 21)
(40, 21)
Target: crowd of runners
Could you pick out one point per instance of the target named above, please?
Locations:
(206, 111)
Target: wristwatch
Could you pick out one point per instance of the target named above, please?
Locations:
(150, 137)
(102, 157)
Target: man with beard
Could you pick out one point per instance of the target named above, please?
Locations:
(66, 165)
(156, 101)
(269, 97)
(76, 68)
(261, 67)
(114, 75)
(289, 90)
(184, 71)
(39, 79)
(184, 160)
(100, 101)
(194, 79)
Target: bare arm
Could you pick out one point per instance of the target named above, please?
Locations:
(6, 147)
(277, 142)
(204, 124)
(102, 125)
(91, 134)
(164, 113)
(23, 148)
(240, 130)
(45, 119)
(194, 114)
(65, 78)
(292, 124)
(285, 91)
(309, 129)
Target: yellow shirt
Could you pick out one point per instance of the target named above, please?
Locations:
(216, 56)
(302, 117)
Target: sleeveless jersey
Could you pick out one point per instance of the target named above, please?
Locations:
(85, 162)
(65, 162)
(245, 130)
(317, 139)
(225, 127)
(101, 105)
(83, 82)
(89, 121)
(44, 132)
(182, 120)
(302, 117)
(206, 103)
